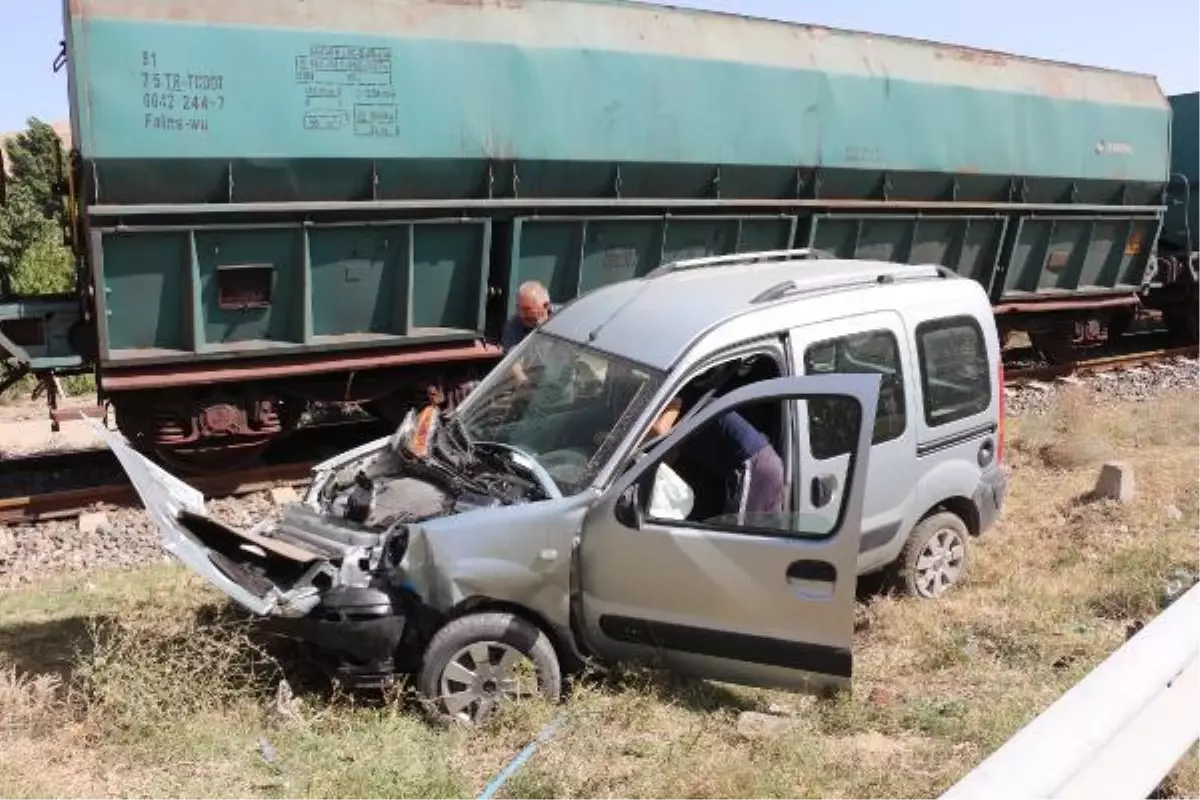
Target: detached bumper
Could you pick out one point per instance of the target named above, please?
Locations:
(990, 496)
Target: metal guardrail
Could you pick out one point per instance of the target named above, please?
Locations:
(1118, 732)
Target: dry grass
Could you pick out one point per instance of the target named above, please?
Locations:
(136, 685)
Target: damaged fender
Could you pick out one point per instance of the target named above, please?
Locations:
(519, 555)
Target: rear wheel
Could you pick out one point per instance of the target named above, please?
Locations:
(934, 559)
(477, 662)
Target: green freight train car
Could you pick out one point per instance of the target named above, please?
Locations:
(1175, 277)
(277, 202)
(1181, 228)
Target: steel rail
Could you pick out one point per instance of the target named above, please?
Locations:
(1092, 365)
(72, 502)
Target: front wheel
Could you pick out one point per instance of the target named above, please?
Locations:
(934, 558)
(479, 661)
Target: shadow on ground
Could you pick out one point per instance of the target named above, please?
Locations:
(50, 647)
(877, 584)
(311, 674)
(666, 687)
(66, 646)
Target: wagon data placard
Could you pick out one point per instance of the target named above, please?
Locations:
(348, 88)
(177, 99)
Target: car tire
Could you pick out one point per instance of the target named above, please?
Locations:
(473, 664)
(934, 559)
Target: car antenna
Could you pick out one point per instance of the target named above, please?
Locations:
(595, 332)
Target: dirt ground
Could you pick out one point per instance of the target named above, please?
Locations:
(25, 428)
(138, 683)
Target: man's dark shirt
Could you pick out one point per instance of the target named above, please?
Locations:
(717, 452)
(724, 444)
(514, 331)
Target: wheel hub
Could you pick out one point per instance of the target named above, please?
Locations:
(940, 563)
(479, 677)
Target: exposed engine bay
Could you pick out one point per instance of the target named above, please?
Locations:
(332, 570)
(426, 471)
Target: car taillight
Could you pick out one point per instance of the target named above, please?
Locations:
(1001, 395)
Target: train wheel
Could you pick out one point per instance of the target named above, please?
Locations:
(1055, 349)
(1184, 323)
(1118, 325)
(1068, 340)
(211, 460)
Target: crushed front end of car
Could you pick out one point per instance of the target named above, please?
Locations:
(335, 570)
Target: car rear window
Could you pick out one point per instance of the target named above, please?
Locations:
(955, 380)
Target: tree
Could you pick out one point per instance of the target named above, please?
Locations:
(33, 259)
(46, 266)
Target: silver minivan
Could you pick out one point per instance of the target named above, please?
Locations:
(550, 520)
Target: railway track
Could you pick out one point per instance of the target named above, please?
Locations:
(67, 503)
(1016, 375)
(59, 485)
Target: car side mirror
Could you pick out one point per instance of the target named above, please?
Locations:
(628, 509)
(822, 489)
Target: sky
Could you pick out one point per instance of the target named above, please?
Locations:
(1156, 37)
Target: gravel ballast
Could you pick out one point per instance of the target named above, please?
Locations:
(1123, 385)
(126, 540)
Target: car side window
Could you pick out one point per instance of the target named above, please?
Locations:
(955, 379)
(875, 352)
(730, 476)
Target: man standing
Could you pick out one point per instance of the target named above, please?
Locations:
(533, 308)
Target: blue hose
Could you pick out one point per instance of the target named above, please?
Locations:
(544, 735)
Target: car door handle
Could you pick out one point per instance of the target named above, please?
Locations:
(822, 490)
(814, 579)
(808, 570)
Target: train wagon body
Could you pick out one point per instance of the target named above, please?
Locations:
(1181, 228)
(1172, 285)
(280, 201)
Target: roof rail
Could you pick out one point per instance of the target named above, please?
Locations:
(735, 259)
(790, 287)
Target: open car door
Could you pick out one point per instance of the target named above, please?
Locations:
(763, 599)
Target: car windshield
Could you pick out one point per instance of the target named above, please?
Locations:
(564, 404)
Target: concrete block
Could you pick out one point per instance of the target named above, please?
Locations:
(92, 521)
(1115, 482)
